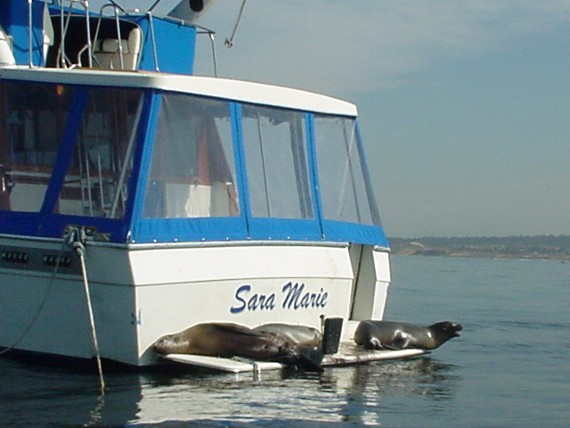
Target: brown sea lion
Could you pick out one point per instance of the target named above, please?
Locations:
(298, 334)
(228, 340)
(399, 335)
(223, 340)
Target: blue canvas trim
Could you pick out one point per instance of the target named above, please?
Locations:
(234, 229)
(284, 229)
(147, 129)
(145, 156)
(358, 233)
(313, 171)
(19, 223)
(241, 172)
(190, 230)
(53, 225)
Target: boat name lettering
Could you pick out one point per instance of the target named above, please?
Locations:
(297, 298)
(294, 297)
(252, 302)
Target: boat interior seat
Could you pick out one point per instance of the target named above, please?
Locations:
(6, 54)
(107, 53)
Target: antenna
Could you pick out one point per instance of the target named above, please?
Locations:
(229, 42)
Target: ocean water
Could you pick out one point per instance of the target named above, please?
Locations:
(510, 367)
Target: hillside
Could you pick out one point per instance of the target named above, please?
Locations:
(516, 247)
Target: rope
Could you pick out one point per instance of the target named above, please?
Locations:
(76, 240)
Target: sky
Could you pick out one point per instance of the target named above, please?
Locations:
(464, 105)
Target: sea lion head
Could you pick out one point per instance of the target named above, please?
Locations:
(171, 344)
(278, 348)
(445, 330)
(300, 356)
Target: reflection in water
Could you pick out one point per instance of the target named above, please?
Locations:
(370, 386)
(356, 394)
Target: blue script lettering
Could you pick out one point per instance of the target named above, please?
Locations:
(297, 298)
(254, 302)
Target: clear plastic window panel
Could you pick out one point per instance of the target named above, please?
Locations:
(276, 161)
(96, 181)
(193, 169)
(345, 193)
(32, 122)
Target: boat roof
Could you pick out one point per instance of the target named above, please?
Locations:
(215, 87)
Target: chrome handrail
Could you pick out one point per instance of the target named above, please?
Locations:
(30, 26)
(117, 24)
(152, 37)
(64, 25)
(210, 34)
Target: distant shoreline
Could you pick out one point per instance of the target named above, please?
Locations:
(548, 247)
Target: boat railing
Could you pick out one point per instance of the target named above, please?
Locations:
(211, 35)
(63, 60)
(116, 46)
(123, 52)
(153, 39)
(30, 33)
(120, 50)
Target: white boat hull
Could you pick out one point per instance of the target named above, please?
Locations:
(140, 293)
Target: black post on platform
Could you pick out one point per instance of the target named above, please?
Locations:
(331, 335)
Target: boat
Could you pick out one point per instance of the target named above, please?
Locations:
(138, 198)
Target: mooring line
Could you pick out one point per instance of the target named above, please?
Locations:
(76, 240)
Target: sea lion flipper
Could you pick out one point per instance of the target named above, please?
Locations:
(401, 341)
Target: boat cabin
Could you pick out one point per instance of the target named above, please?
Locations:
(147, 160)
(141, 157)
(202, 199)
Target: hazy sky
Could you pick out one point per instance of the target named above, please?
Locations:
(464, 105)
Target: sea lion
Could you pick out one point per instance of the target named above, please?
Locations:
(298, 334)
(399, 335)
(223, 340)
(229, 340)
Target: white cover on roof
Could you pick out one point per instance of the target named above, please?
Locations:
(185, 12)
